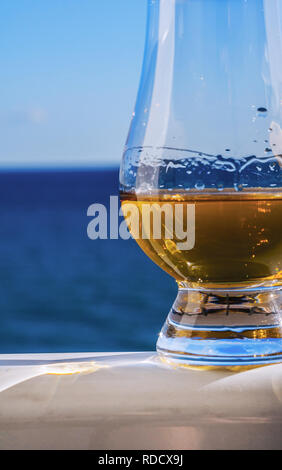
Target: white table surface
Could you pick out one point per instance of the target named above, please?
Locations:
(134, 401)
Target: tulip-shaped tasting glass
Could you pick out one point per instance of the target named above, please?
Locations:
(200, 179)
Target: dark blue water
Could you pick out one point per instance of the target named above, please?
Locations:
(61, 291)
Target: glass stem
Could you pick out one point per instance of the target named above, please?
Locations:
(223, 328)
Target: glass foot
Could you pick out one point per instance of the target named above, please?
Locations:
(223, 329)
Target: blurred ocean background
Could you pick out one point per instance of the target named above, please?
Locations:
(69, 75)
(61, 291)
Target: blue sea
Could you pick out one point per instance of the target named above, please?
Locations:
(61, 291)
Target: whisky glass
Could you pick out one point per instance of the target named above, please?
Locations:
(200, 179)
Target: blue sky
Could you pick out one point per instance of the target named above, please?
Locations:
(69, 74)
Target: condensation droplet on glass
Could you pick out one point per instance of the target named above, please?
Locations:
(200, 185)
(238, 187)
(262, 110)
(267, 149)
(220, 187)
